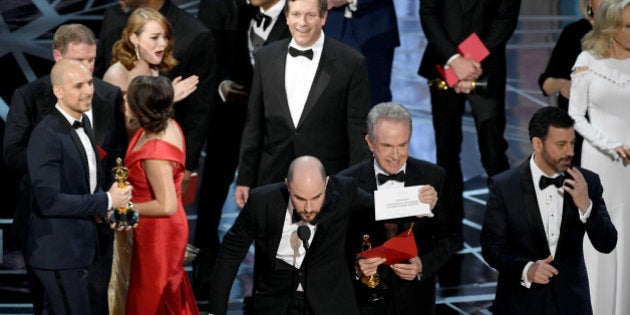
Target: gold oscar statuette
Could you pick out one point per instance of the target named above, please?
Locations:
(124, 216)
(374, 290)
(479, 86)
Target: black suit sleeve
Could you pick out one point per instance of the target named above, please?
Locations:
(194, 112)
(234, 247)
(434, 29)
(502, 25)
(251, 141)
(494, 237)
(601, 231)
(17, 132)
(447, 236)
(45, 162)
(358, 100)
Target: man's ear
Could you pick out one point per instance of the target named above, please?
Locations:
(369, 143)
(58, 91)
(57, 55)
(537, 144)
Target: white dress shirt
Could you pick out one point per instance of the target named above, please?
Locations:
(390, 183)
(299, 75)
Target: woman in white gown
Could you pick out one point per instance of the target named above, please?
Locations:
(601, 89)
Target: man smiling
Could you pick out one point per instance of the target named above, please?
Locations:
(298, 108)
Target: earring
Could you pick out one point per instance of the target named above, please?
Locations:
(589, 11)
(137, 52)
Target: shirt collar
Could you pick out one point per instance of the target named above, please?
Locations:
(70, 119)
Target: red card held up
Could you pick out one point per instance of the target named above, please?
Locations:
(472, 47)
(397, 249)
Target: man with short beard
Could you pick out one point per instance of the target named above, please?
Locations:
(536, 218)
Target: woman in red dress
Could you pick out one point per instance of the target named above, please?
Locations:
(155, 160)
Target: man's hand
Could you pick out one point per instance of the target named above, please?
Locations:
(624, 152)
(541, 271)
(233, 92)
(428, 195)
(336, 3)
(466, 69)
(120, 196)
(368, 266)
(241, 194)
(408, 271)
(186, 180)
(183, 87)
(578, 189)
(463, 87)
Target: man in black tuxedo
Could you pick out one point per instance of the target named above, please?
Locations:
(64, 169)
(194, 50)
(290, 276)
(411, 286)
(371, 27)
(446, 23)
(309, 96)
(536, 217)
(30, 104)
(239, 31)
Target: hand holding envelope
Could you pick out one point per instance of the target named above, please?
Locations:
(473, 50)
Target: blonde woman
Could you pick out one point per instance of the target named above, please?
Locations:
(600, 87)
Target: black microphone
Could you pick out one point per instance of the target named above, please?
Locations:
(304, 233)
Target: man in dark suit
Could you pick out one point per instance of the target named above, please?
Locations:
(64, 169)
(309, 96)
(411, 286)
(235, 28)
(369, 26)
(536, 217)
(194, 50)
(292, 277)
(446, 23)
(30, 104)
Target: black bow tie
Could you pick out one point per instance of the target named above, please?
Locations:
(77, 124)
(382, 178)
(263, 19)
(546, 181)
(296, 52)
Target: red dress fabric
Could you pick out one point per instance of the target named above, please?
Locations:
(158, 283)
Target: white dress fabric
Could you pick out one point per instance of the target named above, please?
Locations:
(603, 92)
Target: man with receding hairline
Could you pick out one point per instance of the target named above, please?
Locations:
(30, 103)
(64, 170)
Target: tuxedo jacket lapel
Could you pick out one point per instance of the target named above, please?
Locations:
(77, 143)
(278, 30)
(537, 230)
(323, 76)
(99, 118)
(277, 69)
(275, 224)
(569, 219)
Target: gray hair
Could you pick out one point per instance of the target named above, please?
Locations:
(388, 111)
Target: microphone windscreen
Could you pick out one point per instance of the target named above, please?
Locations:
(304, 233)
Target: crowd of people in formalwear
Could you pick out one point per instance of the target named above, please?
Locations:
(293, 97)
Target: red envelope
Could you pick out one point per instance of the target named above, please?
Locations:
(188, 196)
(472, 47)
(397, 249)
